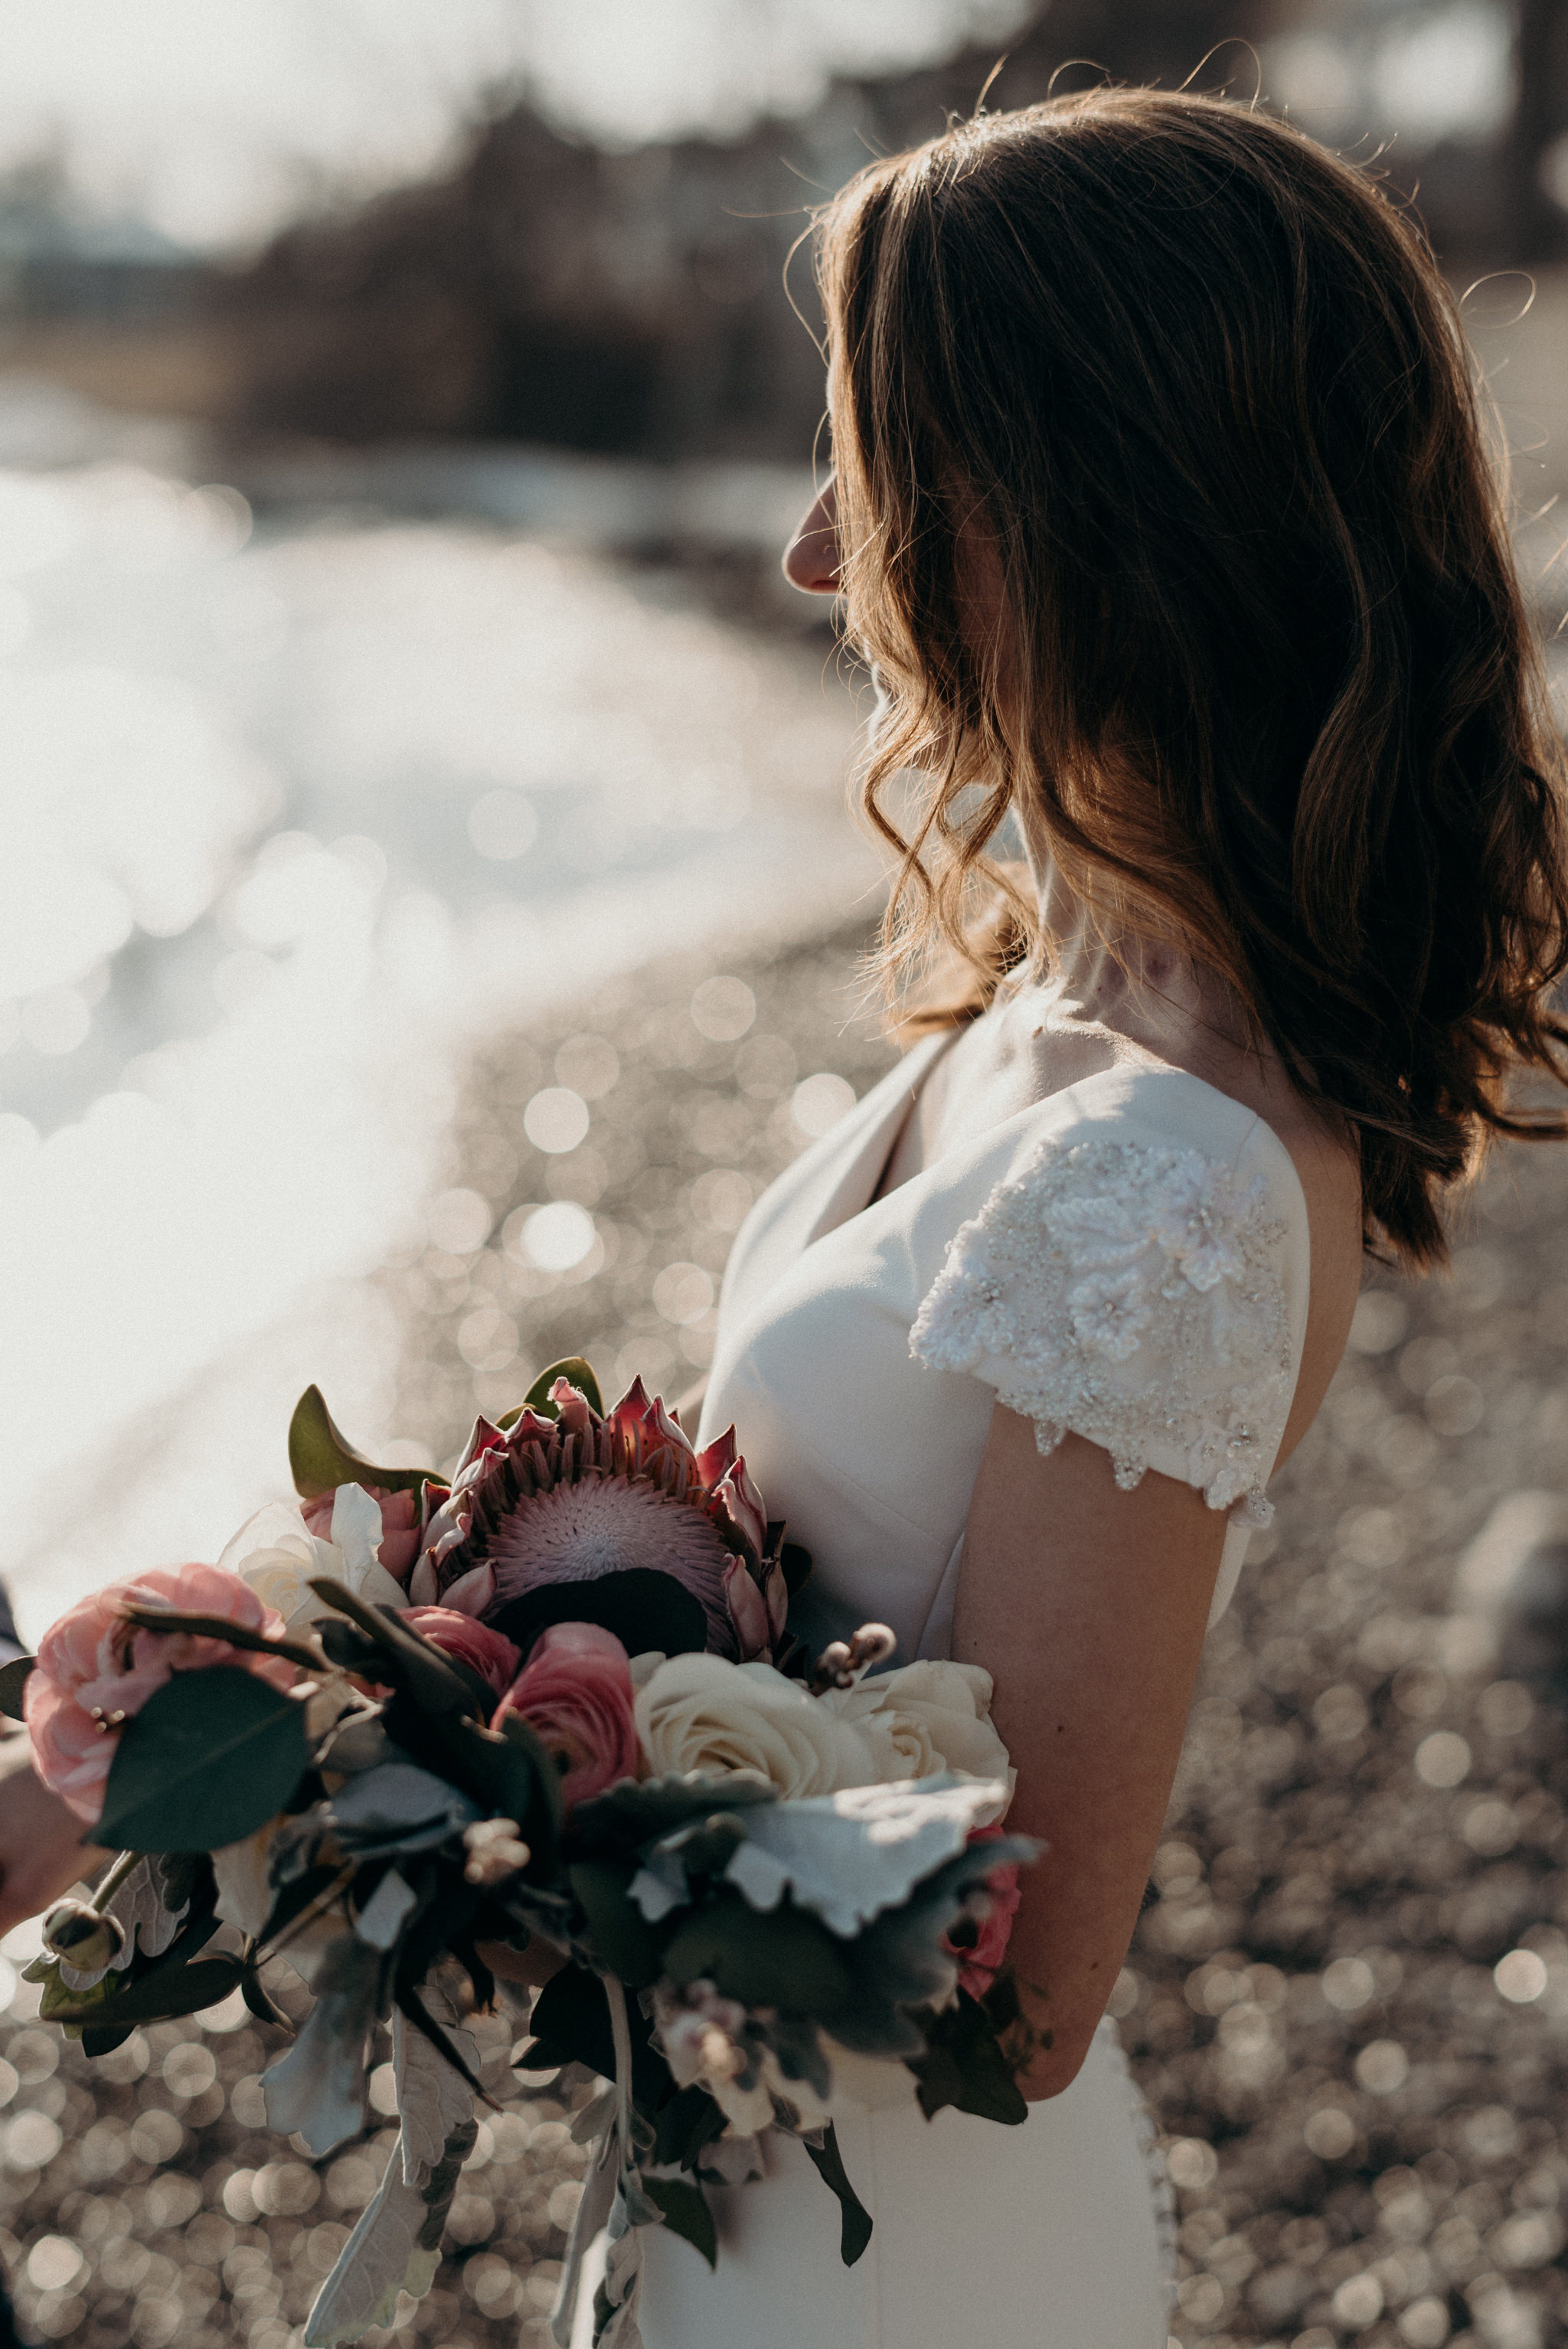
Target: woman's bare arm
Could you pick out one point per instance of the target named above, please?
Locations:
(42, 1853)
(1088, 1605)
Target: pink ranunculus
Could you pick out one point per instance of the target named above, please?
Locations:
(94, 1671)
(575, 1694)
(400, 1515)
(979, 1965)
(457, 1635)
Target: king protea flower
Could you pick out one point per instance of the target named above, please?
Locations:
(614, 1520)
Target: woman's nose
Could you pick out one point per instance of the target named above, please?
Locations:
(811, 557)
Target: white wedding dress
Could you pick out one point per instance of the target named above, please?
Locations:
(1127, 1259)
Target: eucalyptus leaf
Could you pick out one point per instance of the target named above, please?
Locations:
(855, 2219)
(212, 1757)
(321, 1457)
(12, 1677)
(685, 2211)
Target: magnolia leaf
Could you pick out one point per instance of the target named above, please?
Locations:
(321, 1458)
(575, 1372)
(855, 2227)
(156, 1997)
(685, 2211)
(12, 1678)
(212, 1757)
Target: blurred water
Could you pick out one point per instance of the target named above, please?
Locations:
(291, 818)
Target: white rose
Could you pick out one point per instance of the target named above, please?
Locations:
(926, 1717)
(278, 1557)
(700, 1712)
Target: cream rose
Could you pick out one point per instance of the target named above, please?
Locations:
(277, 1556)
(700, 1712)
(923, 1718)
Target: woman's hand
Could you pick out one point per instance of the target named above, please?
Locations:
(1088, 1605)
(42, 1853)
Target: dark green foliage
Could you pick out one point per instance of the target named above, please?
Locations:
(689, 2121)
(786, 1958)
(965, 2066)
(855, 2219)
(12, 1679)
(212, 1757)
(643, 1608)
(154, 1997)
(686, 2213)
(634, 1813)
(620, 1935)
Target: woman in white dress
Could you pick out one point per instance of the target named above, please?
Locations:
(1162, 511)
(1163, 514)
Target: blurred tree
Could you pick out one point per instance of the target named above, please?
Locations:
(1538, 135)
(551, 292)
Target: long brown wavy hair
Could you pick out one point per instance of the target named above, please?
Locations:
(1265, 677)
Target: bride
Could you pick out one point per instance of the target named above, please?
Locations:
(1163, 514)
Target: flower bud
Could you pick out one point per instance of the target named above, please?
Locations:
(85, 1937)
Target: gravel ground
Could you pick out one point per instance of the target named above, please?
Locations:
(1349, 1997)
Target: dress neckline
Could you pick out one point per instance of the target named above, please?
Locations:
(853, 1192)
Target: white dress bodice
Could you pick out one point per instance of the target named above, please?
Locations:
(1127, 1259)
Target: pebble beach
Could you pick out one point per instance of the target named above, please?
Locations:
(1347, 1999)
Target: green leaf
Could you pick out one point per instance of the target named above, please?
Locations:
(571, 2023)
(686, 2212)
(624, 1942)
(965, 2066)
(158, 1996)
(855, 2219)
(12, 1678)
(689, 2121)
(575, 1372)
(786, 1958)
(321, 1458)
(212, 1757)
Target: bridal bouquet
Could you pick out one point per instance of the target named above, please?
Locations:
(547, 1719)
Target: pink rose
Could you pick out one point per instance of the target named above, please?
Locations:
(94, 1671)
(575, 1694)
(981, 1961)
(400, 1515)
(467, 1643)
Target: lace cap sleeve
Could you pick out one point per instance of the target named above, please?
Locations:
(1134, 1295)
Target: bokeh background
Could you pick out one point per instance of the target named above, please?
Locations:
(430, 915)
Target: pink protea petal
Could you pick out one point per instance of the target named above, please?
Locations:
(529, 1427)
(719, 1458)
(747, 1610)
(485, 1438)
(573, 1407)
(740, 1503)
(631, 1412)
(775, 1591)
(666, 1431)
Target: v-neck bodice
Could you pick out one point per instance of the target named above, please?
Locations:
(871, 1453)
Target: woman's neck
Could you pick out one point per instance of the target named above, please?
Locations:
(1102, 975)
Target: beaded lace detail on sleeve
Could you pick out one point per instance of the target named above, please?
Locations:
(1132, 1295)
